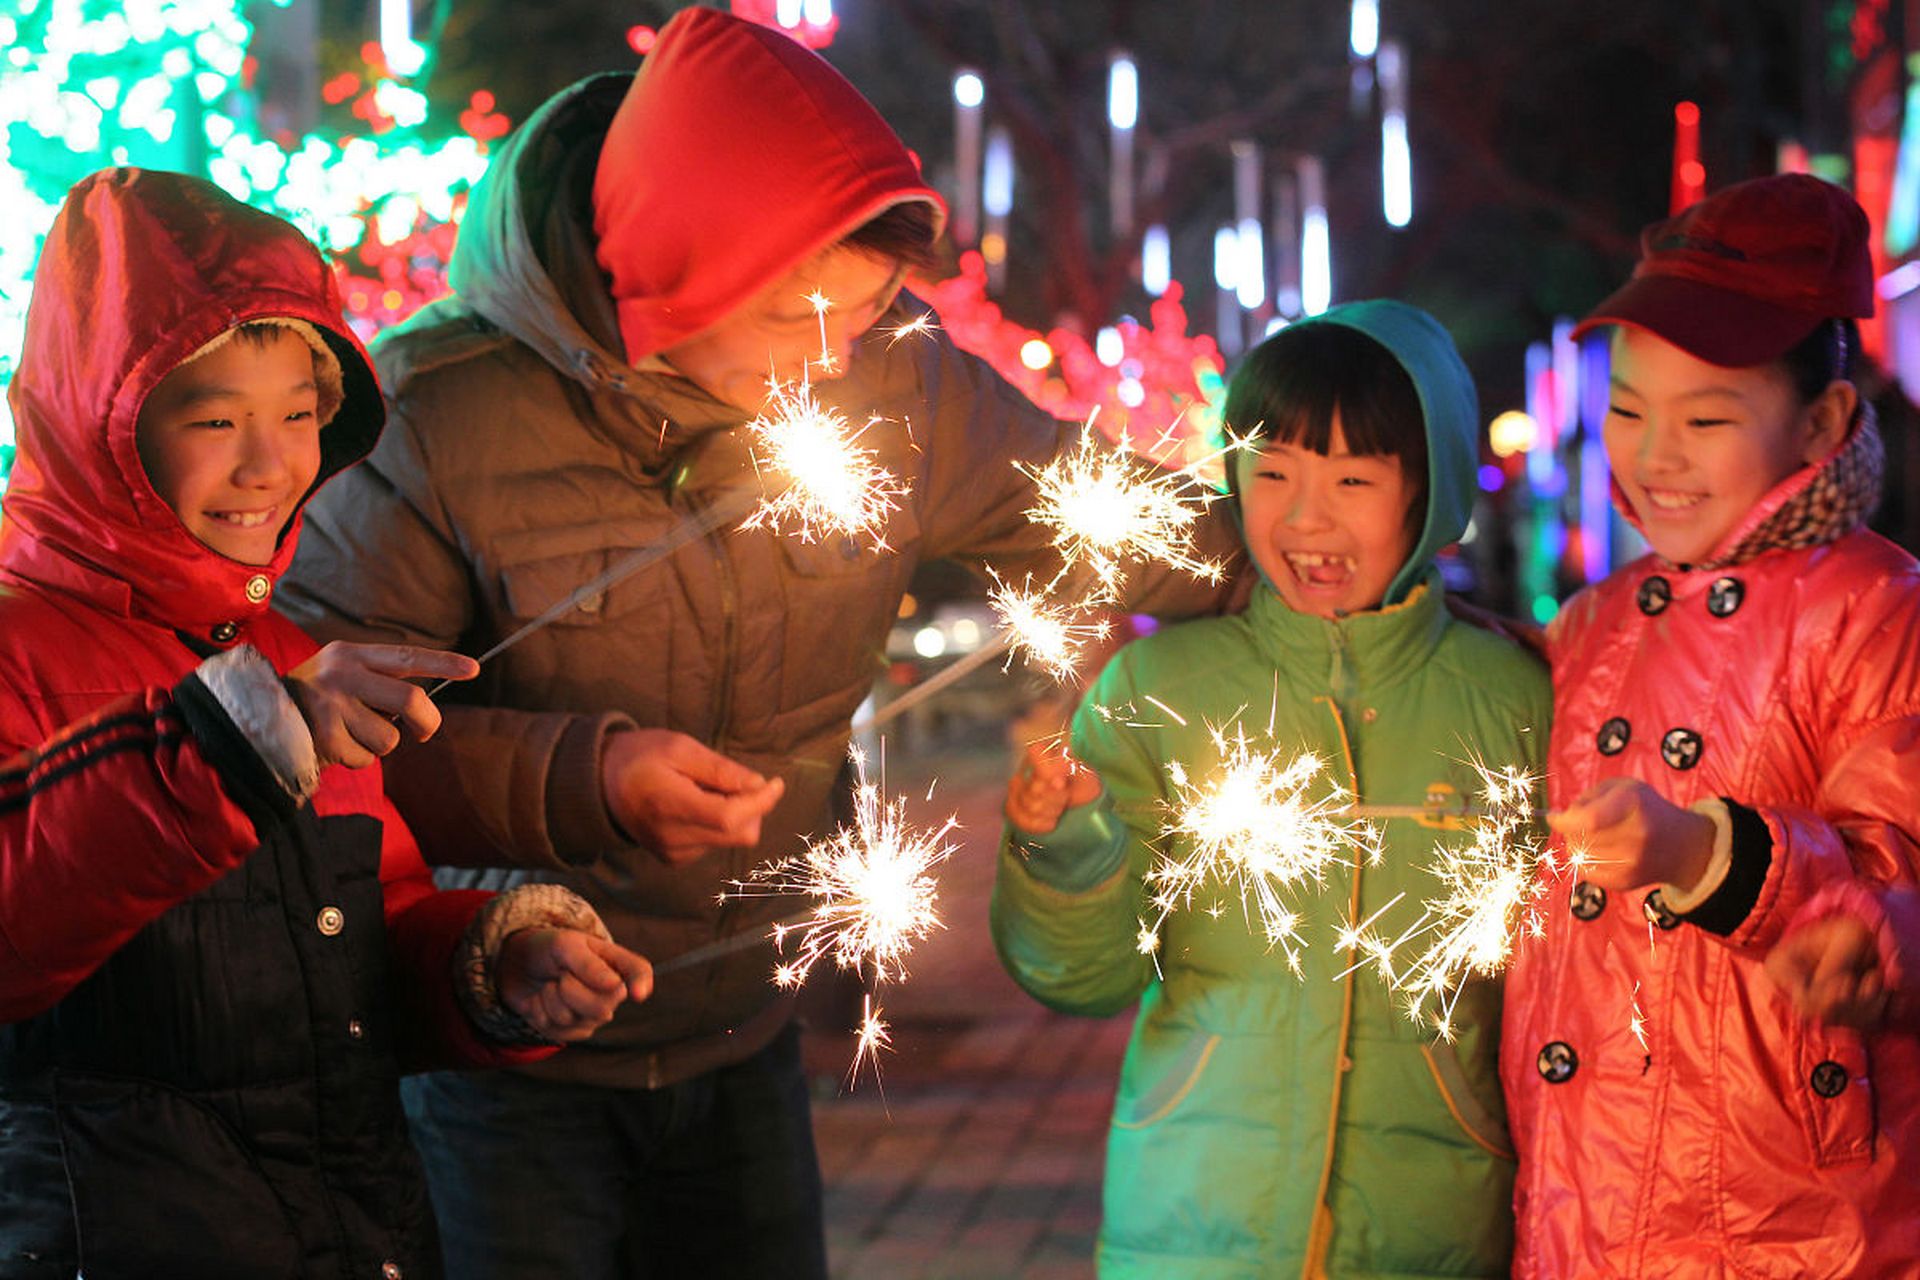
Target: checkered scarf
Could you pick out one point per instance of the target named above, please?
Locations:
(1819, 504)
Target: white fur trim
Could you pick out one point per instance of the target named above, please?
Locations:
(530, 906)
(249, 690)
(326, 366)
(1681, 899)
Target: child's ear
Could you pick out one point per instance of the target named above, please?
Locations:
(1826, 420)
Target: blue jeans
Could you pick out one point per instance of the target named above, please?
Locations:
(714, 1178)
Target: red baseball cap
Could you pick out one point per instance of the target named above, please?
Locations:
(1739, 278)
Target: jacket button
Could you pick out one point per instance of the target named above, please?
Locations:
(1654, 907)
(356, 1029)
(1587, 900)
(258, 588)
(1557, 1062)
(1613, 737)
(390, 1270)
(1655, 594)
(224, 631)
(330, 921)
(1829, 1079)
(1724, 596)
(1681, 748)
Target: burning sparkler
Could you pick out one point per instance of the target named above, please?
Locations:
(1253, 826)
(1491, 894)
(1051, 634)
(830, 483)
(1107, 506)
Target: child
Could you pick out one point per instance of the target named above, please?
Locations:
(1737, 724)
(1270, 1123)
(200, 1030)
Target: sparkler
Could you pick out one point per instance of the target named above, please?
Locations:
(1253, 826)
(1051, 634)
(833, 484)
(1107, 506)
(1491, 894)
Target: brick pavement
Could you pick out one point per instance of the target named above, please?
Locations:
(977, 1154)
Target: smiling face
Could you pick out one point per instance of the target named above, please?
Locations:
(231, 442)
(1330, 530)
(1695, 446)
(778, 332)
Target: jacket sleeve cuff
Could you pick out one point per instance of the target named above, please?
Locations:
(1721, 905)
(577, 819)
(1682, 899)
(239, 709)
(1086, 849)
(476, 958)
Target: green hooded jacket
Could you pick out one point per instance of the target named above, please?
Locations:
(1269, 1124)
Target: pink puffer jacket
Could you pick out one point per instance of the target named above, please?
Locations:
(1672, 1115)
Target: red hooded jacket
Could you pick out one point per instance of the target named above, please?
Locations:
(168, 913)
(1673, 1115)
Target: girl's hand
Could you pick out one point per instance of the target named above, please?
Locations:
(566, 983)
(1830, 969)
(1048, 783)
(1633, 836)
(356, 697)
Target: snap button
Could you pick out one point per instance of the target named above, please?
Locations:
(1557, 1062)
(1681, 748)
(390, 1270)
(258, 588)
(356, 1030)
(224, 631)
(1655, 595)
(330, 921)
(1613, 737)
(1370, 714)
(1654, 907)
(1724, 596)
(1587, 900)
(1829, 1079)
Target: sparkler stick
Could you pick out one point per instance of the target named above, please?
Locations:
(723, 947)
(957, 670)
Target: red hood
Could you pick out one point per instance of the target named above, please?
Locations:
(140, 270)
(736, 156)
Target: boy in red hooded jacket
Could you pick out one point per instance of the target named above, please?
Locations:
(1736, 729)
(216, 949)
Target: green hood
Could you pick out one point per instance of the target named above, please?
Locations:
(1452, 414)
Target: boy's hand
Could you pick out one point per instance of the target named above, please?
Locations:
(1830, 969)
(1633, 836)
(681, 798)
(1048, 783)
(566, 983)
(352, 695)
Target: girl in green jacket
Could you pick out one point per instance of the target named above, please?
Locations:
(1268, 1122)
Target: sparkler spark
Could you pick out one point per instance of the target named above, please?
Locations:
(821, 304)
(1252, 826)
(1107, 506)
(1051, 634)
(1491, 894)
(871, 885)
(919, 326)
(834, 485)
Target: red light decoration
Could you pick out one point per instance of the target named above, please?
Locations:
(640, 39)
(1689, 175)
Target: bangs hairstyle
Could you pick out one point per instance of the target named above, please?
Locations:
(1289, 387)
(902, 233)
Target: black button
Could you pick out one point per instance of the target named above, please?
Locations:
(1681, 748)
(1657, 912)
(1829, 1079)
(1557, 1062)
(224, 631)
(1655, 595)
(1613, 736)
(1587, 900)
(1724, 596)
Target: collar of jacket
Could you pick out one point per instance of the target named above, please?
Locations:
(1343, 655)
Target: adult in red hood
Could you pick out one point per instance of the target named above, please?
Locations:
(216, 947)
(634, 267)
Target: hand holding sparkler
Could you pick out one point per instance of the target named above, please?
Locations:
(356, 698)
(1048, 782)
(680, 798)
(1633, 836)
(566, 983)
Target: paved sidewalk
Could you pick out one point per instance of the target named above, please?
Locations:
(977, 1154)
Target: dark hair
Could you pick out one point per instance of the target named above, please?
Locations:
(902, 232)
(1289, 387)
(1823, 356)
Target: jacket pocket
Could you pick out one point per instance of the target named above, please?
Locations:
(1487, 1129)
(1176, 1079)
(1834, 1096)
(163, 1187)
(540, 569)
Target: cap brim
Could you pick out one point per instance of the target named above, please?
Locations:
(1722, 327)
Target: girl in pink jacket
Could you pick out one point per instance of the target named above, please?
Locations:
(1736, 727)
